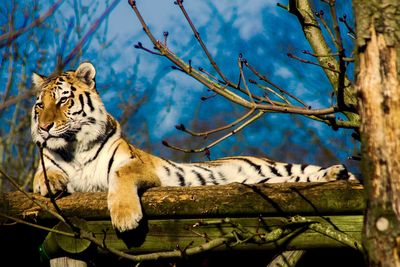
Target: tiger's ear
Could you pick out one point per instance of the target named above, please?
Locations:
(86, 73)
(37, 79)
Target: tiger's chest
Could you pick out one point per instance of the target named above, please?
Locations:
(86, 174)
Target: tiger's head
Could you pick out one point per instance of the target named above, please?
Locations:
(68, 109)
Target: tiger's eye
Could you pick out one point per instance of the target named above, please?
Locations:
(39, 105)
(63, 100)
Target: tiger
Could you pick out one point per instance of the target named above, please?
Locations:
(84, 151)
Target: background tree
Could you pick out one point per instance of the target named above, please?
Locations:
(378, 87)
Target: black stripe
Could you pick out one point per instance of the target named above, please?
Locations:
(303, 167)
(288, 168)
(271, 164)
(264, 180)
(174, 165)
(212, 178)
(82, 106)
(89, 101)
(222, 176)
(254, 165)
(200, 177)
(133, 155)
(167, 170)
(181, 179)
(203, 168)
(109, 135)
(56, 164)
(65, 154)
(274, 171)
(211, 175)
(297, 179)
(110, 162)
(73, 88)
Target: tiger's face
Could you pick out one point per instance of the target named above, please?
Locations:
(68, 108)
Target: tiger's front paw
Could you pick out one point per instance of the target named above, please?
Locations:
(57, 182)
(125, 214)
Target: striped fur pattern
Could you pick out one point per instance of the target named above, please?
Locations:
(84, 151)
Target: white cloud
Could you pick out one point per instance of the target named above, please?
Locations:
(283, 72)
(249, 15)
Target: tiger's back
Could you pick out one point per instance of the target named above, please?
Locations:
(84, 150)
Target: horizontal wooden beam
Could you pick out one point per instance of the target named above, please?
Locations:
(233, 200)
(168, 234)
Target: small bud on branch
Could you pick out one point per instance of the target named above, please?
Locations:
(165, 143)
(180, 127)
(139, 45)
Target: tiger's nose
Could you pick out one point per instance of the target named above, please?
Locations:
(46, 126)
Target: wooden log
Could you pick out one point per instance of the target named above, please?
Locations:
(231, 200)
(168, 234)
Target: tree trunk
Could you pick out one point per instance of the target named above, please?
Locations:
(377, 85)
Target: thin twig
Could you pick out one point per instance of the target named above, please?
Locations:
(52, 197)
(139, 45)
(349, 28)
(181, 127)
(329, 67)
(199, 150)
(265, 79)
(203, 46)
(268, 89)
(329, 231)
(37, 226)
(35, 201)
(240, 64)
(320, 15)
(210, 75)
(214, 243)
(342, 65)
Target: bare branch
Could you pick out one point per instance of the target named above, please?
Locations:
(9, 37)
(329, 67)
(41, 227)
(216, 87)
(265, 79)
(238, 129)
(181, 127)
(203, 46)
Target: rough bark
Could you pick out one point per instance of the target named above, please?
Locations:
(378, 89)
(336, 198)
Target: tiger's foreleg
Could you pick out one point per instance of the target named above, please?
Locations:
(123, 198)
